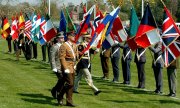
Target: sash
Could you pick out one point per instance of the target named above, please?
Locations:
(138, 56)
(124, 58)
(71, 50)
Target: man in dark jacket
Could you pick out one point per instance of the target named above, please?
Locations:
(140, 60)
(157, 66)
(126, 59)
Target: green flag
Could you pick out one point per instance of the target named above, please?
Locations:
(134, 23)
(70, 26)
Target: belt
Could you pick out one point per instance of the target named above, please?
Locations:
(70, 59)
(85, 57)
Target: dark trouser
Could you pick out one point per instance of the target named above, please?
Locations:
(115, 66)
(171, 73)
(28, 51)
(35, 50)
(48, 48)
(44, 52)
(141, 74)
(60, 82)
(68, 80)
(158, 78)
(9, 45)
(105, 66)
(126, 71)
(15, 46)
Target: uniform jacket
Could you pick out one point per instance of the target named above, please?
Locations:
(55, 62)
(157, 50)
(142, 58)
(105, 52)
(66, 56)
(173, 65)
(117, 49)
(126, 49)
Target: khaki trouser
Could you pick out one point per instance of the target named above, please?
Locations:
(88, 79)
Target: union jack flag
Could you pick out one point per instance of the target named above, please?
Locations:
(170, 31)
(28, 26)
(171, 53)
(170, 38)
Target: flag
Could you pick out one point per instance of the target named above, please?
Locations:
(147, 33)
(70, 25)
(38, 22)
(28, 26)
(100, 38)
(85, 23)
(170, 38)
(21, 23)
(33, 30)
(170, 32)
(171, 53)
(14, 28)
(5, 28)
(63, 23)
(134, 24)
(49, 30)
(109, 41)
(118, 30)
(101, 26)
(42, 41)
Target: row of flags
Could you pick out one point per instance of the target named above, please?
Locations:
(106, 30)
(38, 29)
(144, 33)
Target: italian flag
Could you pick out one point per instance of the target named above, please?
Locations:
(49, 32)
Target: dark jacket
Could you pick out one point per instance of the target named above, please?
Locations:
(126, 49)
(142, 58)
(157, 50)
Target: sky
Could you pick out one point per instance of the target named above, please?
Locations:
(34, 2)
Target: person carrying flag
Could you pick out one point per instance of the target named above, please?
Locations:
(83, 65)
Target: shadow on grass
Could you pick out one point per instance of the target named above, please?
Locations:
(167, 101)
(40, 65)
(122, 101)
(37, 98)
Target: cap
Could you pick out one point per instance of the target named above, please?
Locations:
(87, 35)
(60, 34)
(71, 33)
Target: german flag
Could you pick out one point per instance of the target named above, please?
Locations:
(5, 28)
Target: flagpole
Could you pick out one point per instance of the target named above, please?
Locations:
(163, 3)
(142, 8)
(49, 7)
(95, 1)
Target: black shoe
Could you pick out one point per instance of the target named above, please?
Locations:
(54, 93)
(71, 105)
(60, 102)
(75, 92)
(96, 93)
(172, 95)
(158, 92)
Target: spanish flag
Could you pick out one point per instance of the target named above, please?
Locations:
(21, 23)
(5, 30)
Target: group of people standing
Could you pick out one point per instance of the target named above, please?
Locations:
(140, 60)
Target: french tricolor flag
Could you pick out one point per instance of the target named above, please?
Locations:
(147, 33)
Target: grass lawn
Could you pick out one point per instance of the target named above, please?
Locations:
(27, 84)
